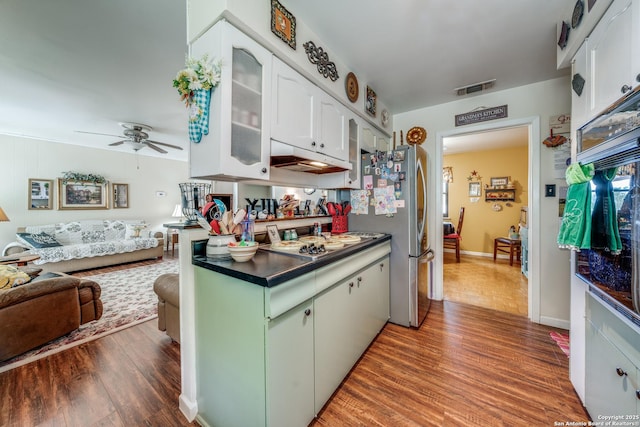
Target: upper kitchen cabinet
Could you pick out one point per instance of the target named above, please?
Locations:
(238, 144)
(579, 91)
(352, 177)
(304, 116)
(612, 55)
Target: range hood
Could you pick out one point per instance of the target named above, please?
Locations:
(296, 159)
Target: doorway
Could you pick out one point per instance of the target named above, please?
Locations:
(531, 128)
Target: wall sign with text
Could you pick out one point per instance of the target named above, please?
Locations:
(484, 115)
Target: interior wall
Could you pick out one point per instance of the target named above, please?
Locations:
(482, 223)
(549, 266)
(24, 158)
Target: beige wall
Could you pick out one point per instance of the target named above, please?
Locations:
(482, 224)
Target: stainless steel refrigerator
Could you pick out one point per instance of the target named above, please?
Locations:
(404, 168)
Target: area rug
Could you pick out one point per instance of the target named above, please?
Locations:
(127, 298)
(562, 340)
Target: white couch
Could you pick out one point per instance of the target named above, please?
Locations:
(80, 245)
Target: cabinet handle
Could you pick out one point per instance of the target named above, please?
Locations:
(321, 145)
(620, 372)
(263, 170)
(625, 88)
(381, 266)
(307, 312)
(351, 284)
(359, 280)
(313, 144)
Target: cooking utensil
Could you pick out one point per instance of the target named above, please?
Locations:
(347, 209)
(339, 208)
(331, 209)
(202, 221)
(239, 216)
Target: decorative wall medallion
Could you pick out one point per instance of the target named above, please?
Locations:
(416, 135)
(578, 84)
(351, 87)
(564, 35)
(283, 24)
(320, 58)
(384, 118)
(370, 102)
(578, 11)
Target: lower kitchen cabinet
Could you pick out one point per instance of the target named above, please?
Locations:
(290, 367)
(274, 356)
(348, 317)
(612, 359)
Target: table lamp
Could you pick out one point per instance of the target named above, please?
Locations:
(177, 212)
(3, 216)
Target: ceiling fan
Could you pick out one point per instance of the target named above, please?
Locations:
(136, 136)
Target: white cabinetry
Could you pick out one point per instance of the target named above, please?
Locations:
(612, 360)
(613, 58)
(305, 116)
(580, 103)
(237, 146)
(352, 177)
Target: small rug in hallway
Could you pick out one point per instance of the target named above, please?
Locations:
(562, 340)
(127, 298)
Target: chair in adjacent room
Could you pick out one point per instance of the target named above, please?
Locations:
(452, 240)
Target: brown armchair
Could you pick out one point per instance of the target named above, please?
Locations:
(45, 309)
(167, 287)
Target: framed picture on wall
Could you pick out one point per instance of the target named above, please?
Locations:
(82, 195)
(475, 190)
(120, 193)
(40, 194)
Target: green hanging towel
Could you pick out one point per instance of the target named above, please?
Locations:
(575, 229)
(604, 219)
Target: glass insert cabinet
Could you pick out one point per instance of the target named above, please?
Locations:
(237, 146)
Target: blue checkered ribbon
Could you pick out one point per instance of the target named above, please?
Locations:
(199, 115)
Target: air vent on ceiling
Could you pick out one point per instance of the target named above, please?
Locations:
(476, 87)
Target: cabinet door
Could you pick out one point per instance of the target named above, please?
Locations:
(580, 103)
(610, 377)
(335, 328)
(290, 382)
(367, 139)
(332, 135)
(382, 143)
(611, 55)
(238, 143)
(373, 300)
(293, 108)
(353, 176)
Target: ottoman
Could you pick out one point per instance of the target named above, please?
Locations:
(167, 287)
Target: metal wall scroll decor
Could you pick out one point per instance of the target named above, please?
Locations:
(320, 58)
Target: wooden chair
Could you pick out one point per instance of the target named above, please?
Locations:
(452, 241)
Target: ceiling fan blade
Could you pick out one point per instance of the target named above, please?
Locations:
(165, 144)
(158, 149)
(113, 144)
(96, 133)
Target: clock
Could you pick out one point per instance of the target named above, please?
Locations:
(351, 87)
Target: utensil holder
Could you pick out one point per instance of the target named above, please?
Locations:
(339, 224)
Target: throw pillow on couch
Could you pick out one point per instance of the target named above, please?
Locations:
(10, 277)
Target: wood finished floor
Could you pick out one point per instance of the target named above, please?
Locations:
(484, 283)
(466, 366)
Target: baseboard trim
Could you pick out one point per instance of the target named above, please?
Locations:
(188, 408)
(554, 322)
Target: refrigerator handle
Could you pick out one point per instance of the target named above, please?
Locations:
(420, 173)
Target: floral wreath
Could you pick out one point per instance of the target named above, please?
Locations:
(197, 74)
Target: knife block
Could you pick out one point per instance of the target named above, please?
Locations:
(339, 224)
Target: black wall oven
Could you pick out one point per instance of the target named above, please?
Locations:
(611, 266)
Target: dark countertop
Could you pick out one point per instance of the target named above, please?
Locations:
(270, 268)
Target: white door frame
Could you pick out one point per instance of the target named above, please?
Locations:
(533, 202)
